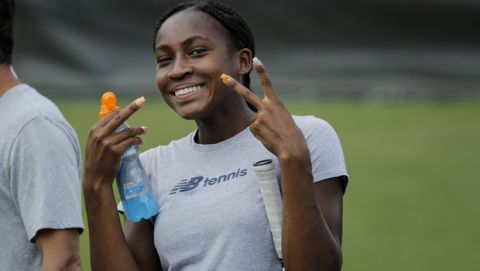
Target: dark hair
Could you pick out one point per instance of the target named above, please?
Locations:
(240, 33)
(7, 16)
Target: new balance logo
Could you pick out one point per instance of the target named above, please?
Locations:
(201, 181)
(185, 185)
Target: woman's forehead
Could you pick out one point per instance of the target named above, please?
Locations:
(188, 23)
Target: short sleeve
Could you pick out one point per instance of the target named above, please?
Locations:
(45, 176)
(325, 150)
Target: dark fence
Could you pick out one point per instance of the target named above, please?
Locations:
(377, 49)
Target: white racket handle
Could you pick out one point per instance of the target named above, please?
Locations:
(272, 200)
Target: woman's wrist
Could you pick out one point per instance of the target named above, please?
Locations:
(97, 188)
(295, 153)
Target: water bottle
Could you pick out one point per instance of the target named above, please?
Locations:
(138, 200)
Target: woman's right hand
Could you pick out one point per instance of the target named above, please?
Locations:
(104, 148)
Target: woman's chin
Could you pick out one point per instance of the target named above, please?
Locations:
(189, 114)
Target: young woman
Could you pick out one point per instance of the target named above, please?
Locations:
(212, 215)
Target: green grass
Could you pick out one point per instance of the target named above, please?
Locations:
(411, 203)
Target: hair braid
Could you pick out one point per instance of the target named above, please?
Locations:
(7, 16)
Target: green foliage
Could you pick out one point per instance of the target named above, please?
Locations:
(411, 202)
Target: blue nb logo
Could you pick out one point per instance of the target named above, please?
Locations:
(185, 185)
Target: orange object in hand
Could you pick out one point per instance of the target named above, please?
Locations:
(108, 104)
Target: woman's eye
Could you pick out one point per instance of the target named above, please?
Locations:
(197, 51)
(163, 59)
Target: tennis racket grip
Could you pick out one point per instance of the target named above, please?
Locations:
(272, 200)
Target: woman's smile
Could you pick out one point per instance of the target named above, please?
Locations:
(182, 92)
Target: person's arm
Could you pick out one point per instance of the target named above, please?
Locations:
(108, 246)
(109, 249)
(312, 219)
(140, 240)
(45, 184)
(329, 195)
(312, 212)
(59, 248)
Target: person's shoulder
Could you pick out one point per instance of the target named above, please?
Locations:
(40, 104)
(26, 104)
(316, 129)
(32, 112)
(175, 146)
(309, 122)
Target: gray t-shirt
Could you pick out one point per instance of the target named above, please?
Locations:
(212, 215)
(40, 167)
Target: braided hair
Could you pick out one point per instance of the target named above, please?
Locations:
(240, 33)
(7, 16)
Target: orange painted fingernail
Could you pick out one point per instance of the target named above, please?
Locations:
(140, 101)
(225, 78)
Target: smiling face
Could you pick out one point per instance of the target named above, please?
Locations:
(192, 51)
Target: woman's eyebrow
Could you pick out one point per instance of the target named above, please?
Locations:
(186, 42)
(194, 38)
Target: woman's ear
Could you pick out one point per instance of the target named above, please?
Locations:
(244, 58)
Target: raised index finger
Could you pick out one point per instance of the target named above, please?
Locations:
(241, 90)
(125, 113)
(264, 79)
(104, 121)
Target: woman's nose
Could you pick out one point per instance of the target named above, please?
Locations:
(179, 70)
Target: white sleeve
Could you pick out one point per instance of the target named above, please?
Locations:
(325, 150)
(45, 170)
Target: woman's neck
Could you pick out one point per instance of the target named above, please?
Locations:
(223, 124)
(7, 79)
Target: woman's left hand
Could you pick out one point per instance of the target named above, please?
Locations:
(304, 203)
(272, 124)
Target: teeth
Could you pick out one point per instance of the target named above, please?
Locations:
(185, 91)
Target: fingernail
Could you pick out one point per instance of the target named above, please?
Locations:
(140, 101)
(257, 61)
(145, 129)
(225, 78)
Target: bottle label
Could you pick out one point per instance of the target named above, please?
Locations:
(133, 189)
(131, 176)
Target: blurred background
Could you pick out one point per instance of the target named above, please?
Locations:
(398, 79)
(368, 49)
